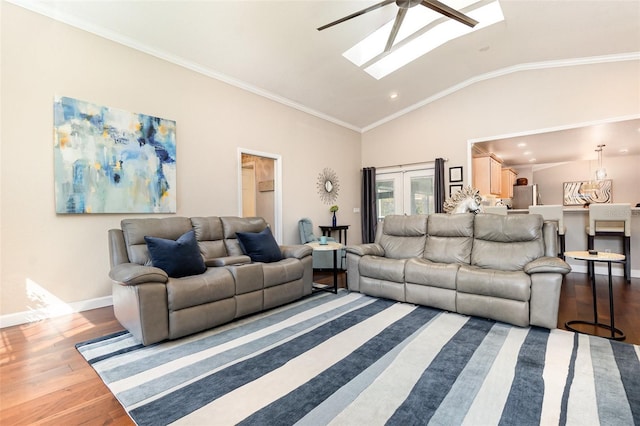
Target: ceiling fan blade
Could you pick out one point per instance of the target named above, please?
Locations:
(449, 12)
(396, 27)
(358, 13)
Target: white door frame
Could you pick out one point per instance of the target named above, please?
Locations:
(251, 165)
(277, 202)
(401, 177)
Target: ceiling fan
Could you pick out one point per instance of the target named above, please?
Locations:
(404, 6)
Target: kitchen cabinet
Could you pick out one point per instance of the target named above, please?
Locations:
(487, 174)
(508, 180)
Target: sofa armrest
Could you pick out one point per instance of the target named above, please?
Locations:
(134, 274)
(372, 249)
(547, 264)
(297, 251)
(228, 260)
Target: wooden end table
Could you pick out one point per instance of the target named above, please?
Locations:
(608, 258)
(334, 247)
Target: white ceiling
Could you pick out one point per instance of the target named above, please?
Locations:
(621, 138)
(273, 48)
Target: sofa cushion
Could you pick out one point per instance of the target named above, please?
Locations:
(507, 242)
(178, 258)
(403, 236)
(210, 237)
(284, 271)
(215, 284)
(428, 273)
(513, 285)
(450, 238)
(231, 225)
(382, 268)
(134, 231)
(259, 246)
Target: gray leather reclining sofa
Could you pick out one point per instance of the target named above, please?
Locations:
(155, 307)
(493, 266)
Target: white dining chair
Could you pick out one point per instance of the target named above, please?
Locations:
(611, 220)
(553, 213)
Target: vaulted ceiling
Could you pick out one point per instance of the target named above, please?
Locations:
(273, 48)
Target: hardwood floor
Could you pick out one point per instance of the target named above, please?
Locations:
(576, 302)
(45, 381)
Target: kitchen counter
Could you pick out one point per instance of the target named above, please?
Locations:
(576, 220)
(574, 209)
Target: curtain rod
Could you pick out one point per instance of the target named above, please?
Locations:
(410, 164)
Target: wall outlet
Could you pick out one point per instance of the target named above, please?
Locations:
(356, 209)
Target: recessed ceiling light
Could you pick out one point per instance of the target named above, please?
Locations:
(532, 160)
(522, 145)
(393, 95)
(527, 153)
(624, 151)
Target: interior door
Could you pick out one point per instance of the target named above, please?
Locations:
(260, 192)
(248, 189)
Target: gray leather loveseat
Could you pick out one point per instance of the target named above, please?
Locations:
(154, 306)
(493, 266)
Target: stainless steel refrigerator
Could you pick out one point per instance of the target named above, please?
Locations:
(524, 196)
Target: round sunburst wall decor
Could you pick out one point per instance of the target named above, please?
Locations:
(328, 186)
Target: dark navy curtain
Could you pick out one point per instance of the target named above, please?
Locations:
(369, 206)
(438, 186)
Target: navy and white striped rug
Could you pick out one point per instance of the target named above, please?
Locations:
(356, 360)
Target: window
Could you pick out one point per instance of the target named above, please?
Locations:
(400, 191)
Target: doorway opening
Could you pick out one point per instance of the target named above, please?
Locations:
(260, 188)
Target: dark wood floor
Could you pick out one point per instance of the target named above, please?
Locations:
(44, 380)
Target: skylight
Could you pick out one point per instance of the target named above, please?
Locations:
(371, 48)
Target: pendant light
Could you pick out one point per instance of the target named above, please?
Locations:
(601, 172)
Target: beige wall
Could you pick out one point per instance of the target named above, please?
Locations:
(519, 102)
(47, 256)
(44, 255)
(622, 170)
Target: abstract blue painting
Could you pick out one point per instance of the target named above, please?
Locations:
(112, 161)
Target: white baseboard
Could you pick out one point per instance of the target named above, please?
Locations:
(85, 305)
(616, 270)
(53, 311)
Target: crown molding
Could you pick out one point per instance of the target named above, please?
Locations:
(631, 56)
(48, 9)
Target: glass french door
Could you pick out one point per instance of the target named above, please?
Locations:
(405, 192)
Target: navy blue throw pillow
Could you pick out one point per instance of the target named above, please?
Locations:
(260, 246)
(178, 258)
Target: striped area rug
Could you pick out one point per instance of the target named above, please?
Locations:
(350, 359)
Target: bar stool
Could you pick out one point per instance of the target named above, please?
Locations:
(553, 213)
(495, 210)
(611, 220)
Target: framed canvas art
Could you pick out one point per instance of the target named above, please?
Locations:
(454, 188)
(455, 174)
(587, 192)
(112, 161)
